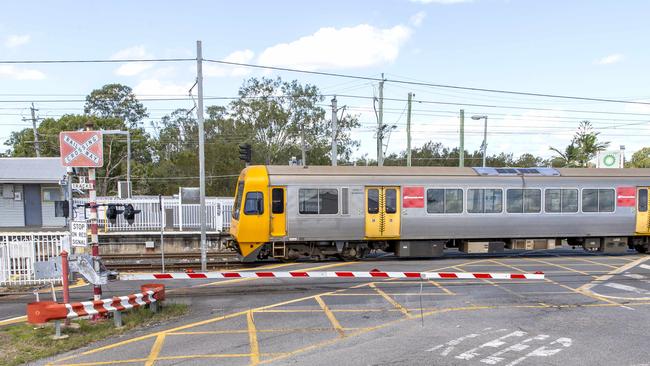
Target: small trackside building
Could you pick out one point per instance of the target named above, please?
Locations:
(28, 189)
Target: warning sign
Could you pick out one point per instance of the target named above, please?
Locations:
(413, 197)
(79, 234)
(81, 148)
(626, 196)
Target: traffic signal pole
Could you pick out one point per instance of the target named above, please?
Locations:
(94, 239)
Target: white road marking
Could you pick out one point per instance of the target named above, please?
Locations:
(635, 276)
(644, 266)
(518, 347)
(468, 355)
(619, 286)
(544, 352)
(453, 343)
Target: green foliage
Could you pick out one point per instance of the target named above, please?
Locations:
(583, 147)
(23, 343)
(640, 159)
(115, 101)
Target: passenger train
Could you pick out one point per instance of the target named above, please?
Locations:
(288, 212)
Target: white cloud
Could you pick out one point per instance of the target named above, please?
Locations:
(151, 88)
(240, 56)
(132, 68)
(17, 40)
(17, 73)
(332, 48)
(444, 2)
(610, 59)
(417, 19)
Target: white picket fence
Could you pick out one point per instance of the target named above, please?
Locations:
(185, 217)
(19, 252)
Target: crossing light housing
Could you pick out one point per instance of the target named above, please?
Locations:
(111, 213)
(129, 213)
(245, 152)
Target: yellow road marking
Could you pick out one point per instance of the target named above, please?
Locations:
(560, 266)
(330, 316)
(155, 350)
(443, 288)
(597, 263)
(587, 287)
(270, 266)
(18, 319)
(396, 304)
(252, 337)
(273, 330)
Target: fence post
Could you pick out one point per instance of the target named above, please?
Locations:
(180, 214)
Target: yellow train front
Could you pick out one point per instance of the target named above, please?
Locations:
(289, 212)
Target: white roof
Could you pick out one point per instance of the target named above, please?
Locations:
(31, 170)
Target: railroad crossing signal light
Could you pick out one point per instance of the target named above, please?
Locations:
(129, 213)
(111, 213)
(245, 152)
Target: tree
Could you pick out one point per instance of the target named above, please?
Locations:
(583, 147)
(640, 159)
(115, 101)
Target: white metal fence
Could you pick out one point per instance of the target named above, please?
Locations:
(184, 217)
(19, 252)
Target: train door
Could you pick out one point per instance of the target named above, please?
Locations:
(642, 216)
(278, 211)
(382, 212)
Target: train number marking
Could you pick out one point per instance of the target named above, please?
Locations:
(510, 355)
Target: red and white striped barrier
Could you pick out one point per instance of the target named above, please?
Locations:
(44, 311)
(331, 274)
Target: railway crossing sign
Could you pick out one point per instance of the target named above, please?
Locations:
(82, 148)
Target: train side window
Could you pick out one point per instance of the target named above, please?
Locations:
(277, 200)
(254, 204)
(515, 201)
(606, 200)
(373, 201)
(643, 200)
(553, 200)
(532, 200)
(328, 201)
(589, 200)
(493, 200)
(453, 200)
(475, 200)
(435, 200)
(391, 201)
(569, 200)
(308, 201)
(344, 201)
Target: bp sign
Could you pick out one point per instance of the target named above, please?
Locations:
(609, 159)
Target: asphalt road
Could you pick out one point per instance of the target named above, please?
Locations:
(590, 310)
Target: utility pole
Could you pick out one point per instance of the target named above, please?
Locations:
(408, 131)
(37, 145)
(199, 117)
(461, 153)
(303, 147)
(334, 131)
(380, 124)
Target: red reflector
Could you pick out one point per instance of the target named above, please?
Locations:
(344, 274)
(413, 274)
(162, 275)
(482, 275)
(231, 274)
(518, 276)
(448, 275)
(197, 275)
(264, 274)
(299, 274)
(378, 274)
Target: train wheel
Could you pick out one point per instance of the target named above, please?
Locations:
(641, 248)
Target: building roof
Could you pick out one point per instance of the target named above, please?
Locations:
(438, 171)
(31, 170)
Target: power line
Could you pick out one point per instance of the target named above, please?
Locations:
(95, 61)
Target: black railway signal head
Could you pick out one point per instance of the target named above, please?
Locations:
(112, 212)
(129, 213)
(245, 152)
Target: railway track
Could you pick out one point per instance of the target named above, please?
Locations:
(173, 261)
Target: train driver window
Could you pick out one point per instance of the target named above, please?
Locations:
(391, 201)
(373, 201)
(643, 200)
(277, 200)
(254, 204)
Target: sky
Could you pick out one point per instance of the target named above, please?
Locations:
(576, 48)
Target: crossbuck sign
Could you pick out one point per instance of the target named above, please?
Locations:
(81, 148)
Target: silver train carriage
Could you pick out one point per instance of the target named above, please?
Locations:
(319, 211)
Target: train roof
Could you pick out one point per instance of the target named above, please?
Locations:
(320, 170)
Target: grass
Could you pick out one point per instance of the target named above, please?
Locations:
(24, 343)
